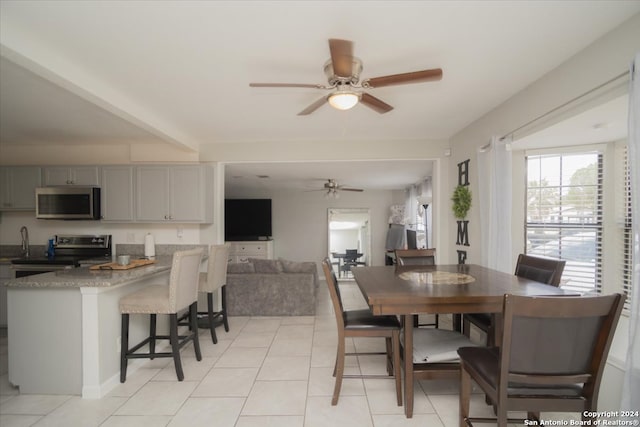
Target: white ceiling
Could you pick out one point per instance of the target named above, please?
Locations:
(370, 175)
(178, 72)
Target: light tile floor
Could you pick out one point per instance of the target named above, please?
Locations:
(266, 372)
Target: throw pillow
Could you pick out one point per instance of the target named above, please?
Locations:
(266, 265)
(239, 268)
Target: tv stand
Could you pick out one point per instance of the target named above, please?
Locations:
(243, 250)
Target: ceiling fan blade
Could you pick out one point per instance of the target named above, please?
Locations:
(341, 57)
(313, 107)
(398, 79)
(351, 189)
(375, 103)
(286, 85)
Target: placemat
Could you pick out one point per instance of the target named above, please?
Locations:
(437, 277)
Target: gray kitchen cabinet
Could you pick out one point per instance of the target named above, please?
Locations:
(172, 194)
(72, 175)
(17, 187)
(117, 193)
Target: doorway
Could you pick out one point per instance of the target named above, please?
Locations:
(348, 230)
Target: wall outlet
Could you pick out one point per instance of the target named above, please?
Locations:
(118, 344)
(180, 232)
(131, 237)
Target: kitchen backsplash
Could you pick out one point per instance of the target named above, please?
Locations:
(161, 250)
(13, 251)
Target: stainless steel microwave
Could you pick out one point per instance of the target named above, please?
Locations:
(68, 202)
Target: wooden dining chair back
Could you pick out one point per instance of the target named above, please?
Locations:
(406, 257)
(361, 323)
(518, 376)
(543, 270)
(416, 257)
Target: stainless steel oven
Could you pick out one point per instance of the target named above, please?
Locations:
(70, 251)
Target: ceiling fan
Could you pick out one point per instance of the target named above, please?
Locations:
(331, 188)
(343, 74)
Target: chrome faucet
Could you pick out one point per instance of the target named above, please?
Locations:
(24, 232)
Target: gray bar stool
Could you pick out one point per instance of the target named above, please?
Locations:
(215, 278)
(181, 293)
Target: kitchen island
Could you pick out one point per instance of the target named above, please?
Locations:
(64, 327)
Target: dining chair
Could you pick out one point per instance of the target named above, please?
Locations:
(361, 323)
(574, 334)
(350, 260)
(406, 257)
(414, 257)
(543, 270)
(210, 281)
(181, 294)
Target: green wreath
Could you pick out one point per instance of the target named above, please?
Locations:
(461, 201)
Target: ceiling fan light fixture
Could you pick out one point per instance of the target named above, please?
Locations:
(332, 193)
(343, 100)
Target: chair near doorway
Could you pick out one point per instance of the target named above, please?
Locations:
(361, 323)
(415, 257)
(350, 260)
(543, 270)
(519, 377)
(181, 294)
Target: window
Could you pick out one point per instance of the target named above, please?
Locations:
(564, 215)
(625, 234)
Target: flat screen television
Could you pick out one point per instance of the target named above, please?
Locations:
(412, 242)
(247, 219)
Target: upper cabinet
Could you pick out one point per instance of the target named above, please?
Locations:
(173, 194)
(117, 193)
(167, 193)
(74, 175)
(18, 187)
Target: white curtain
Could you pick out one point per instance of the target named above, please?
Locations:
(494, 200)
(631, 387)
(411, 206)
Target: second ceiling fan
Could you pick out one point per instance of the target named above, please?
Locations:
(343, 76)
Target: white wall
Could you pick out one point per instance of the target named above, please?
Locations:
(42, 230)
(597, 64)
(300, 227)
(606, 58)
(345, 239)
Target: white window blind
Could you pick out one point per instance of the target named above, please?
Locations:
(625, 235)
(564, 215)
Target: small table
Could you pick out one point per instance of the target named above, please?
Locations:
(406, 291)
(340, 258)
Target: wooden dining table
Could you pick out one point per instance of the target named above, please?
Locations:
(456, 289)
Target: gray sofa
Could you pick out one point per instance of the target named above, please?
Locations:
(272, 288)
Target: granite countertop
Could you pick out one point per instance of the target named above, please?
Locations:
(84, 277)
